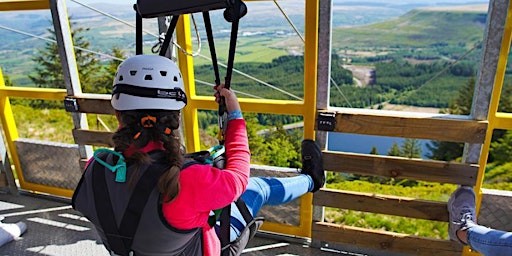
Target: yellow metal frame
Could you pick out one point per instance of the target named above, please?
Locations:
(11, 132)
(496, 119)
(304, 108)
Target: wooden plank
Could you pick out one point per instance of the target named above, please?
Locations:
(402, 168)
(440, 127)
(94, 104)
(384, 241)
(24, 5)
(94, 138)
(384, 204)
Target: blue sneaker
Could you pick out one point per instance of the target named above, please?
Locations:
(462, 210)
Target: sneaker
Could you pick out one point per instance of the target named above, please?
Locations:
(312, 163)
(461, 207)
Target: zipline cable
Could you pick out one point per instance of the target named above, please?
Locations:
(303, 41)
(133, 26)
(54, 41)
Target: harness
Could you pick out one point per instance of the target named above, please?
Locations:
(120, 238)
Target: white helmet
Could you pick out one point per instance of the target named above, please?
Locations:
(148, 82)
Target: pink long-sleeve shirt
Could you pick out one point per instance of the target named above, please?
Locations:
(204, 188)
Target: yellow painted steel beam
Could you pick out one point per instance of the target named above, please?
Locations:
(495, 100)
(24, 5)
(186, 64)
(11, 132)
(284, 107)
(310, 90)
(46, 189)
(34, 93)
(9, 127)
(496, 120)
(503, 121)
(309, 113)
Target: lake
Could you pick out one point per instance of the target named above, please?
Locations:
(356, 143)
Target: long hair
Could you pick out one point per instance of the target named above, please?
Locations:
(138, 128)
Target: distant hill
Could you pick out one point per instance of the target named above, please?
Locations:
(442, 28)
(264, 27)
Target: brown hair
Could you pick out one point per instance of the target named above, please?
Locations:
(159, 126)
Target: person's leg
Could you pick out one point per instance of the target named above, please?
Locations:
(268, 191)
(489, 242)
(464, 229)
(275, 191)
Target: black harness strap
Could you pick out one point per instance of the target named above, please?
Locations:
(138, 200)
(120, 238)
(244, 210)
(225, 219)
(105, 212)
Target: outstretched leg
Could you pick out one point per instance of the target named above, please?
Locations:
(464, 229)
(276, 191)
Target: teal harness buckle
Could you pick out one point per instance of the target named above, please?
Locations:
(119, 169)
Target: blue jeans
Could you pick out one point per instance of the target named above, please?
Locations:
(490, 242)
(267, 191)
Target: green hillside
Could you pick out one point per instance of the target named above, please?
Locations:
(416, 29)
(417, 56)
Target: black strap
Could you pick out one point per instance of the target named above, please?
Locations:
(242, 207)
(211, 44)
(168, 35)
(138, 31)
(138, 200)
(176, 93)
(232, 42)
(105, 212)
(120, 238)
(225, 218)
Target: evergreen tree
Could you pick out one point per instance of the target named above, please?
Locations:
(394, 150)
(374, 151)
(280, 150)
(502, 149)
(411, 148)
(461, 105)
(49, 72)
(102, 84)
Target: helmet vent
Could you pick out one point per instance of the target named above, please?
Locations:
(163, 73)
(148, 77)
(175, 79)
(133, 72)
(121, 78)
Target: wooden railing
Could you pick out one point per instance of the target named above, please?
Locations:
(394, 124)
